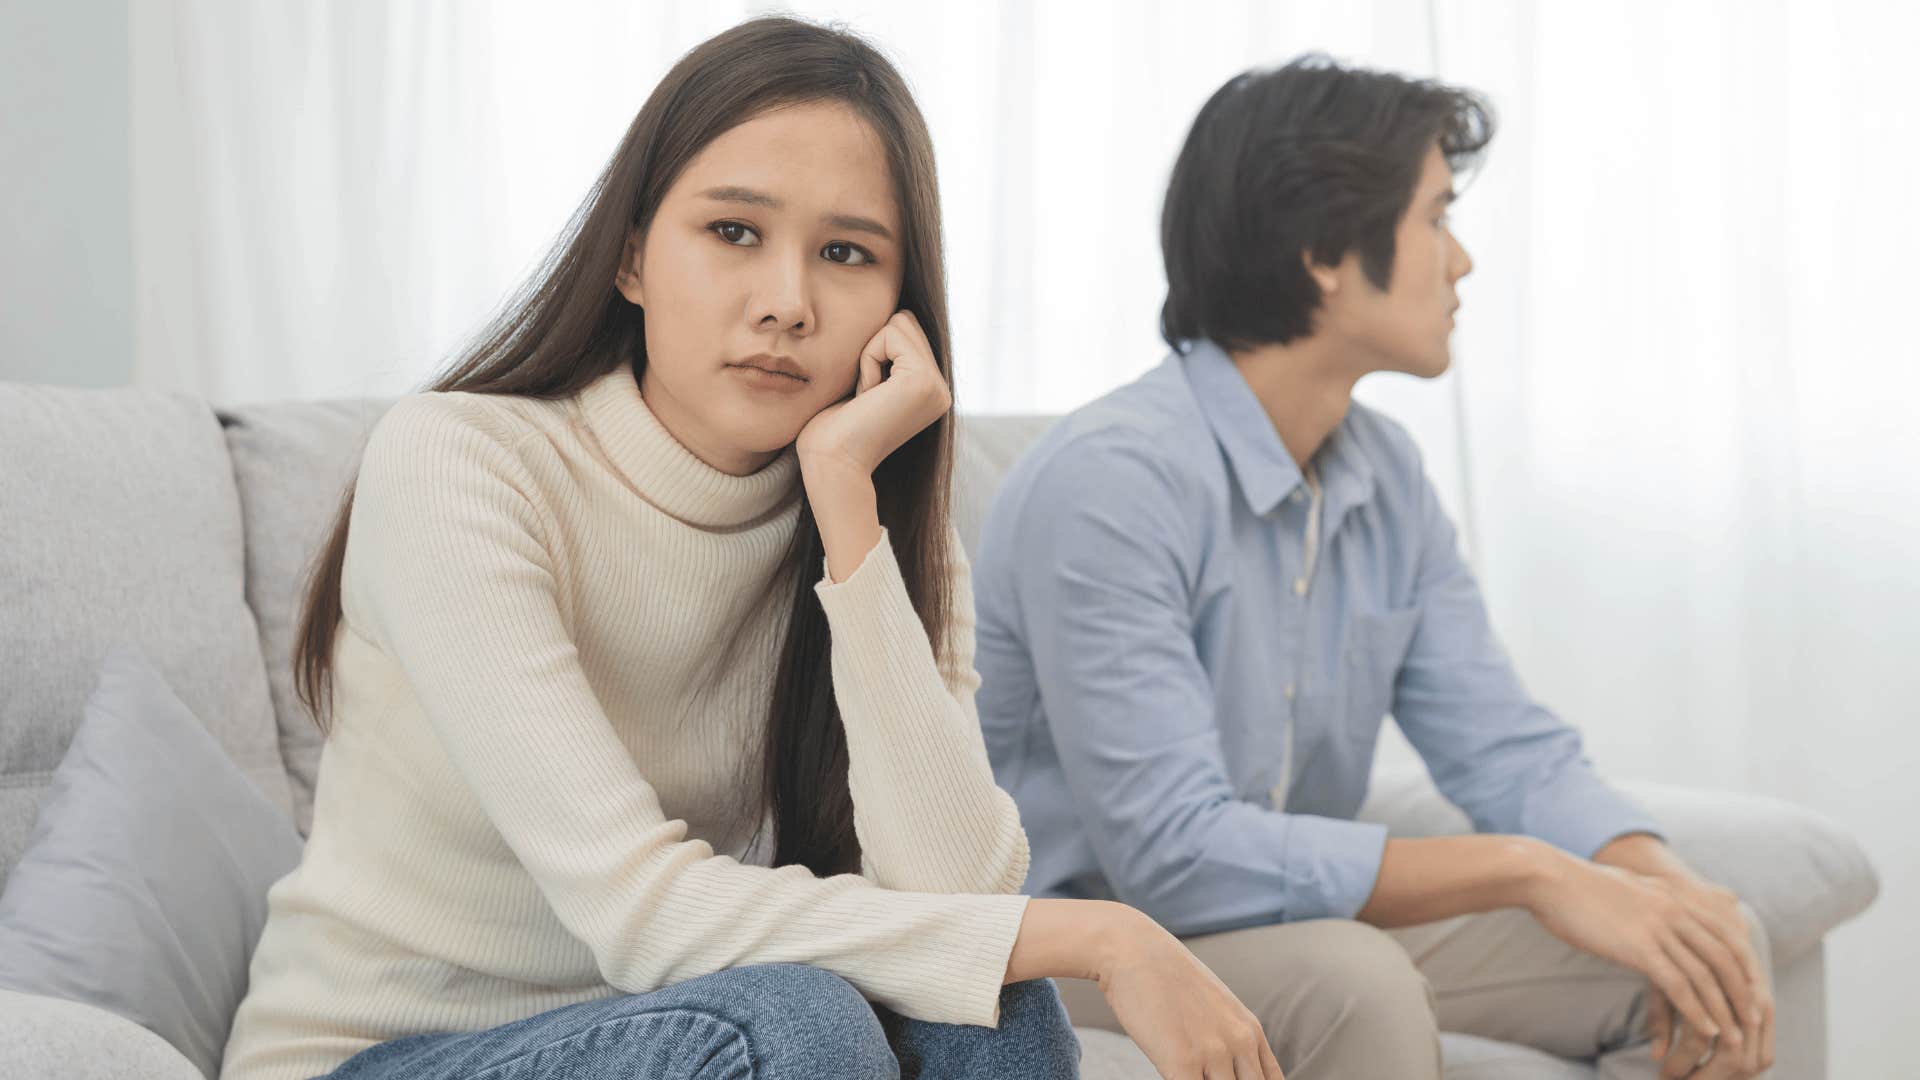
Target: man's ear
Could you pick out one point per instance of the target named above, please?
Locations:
(627, 278)
(1327, 277)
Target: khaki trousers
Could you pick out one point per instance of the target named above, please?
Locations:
(1340, 998)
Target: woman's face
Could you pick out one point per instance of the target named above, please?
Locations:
(772, 260)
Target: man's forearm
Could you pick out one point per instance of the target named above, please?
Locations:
(1429, 878)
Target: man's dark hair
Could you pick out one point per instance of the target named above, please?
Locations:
(1310, 158)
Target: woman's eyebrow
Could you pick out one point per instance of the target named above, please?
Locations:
(856, 223)
(750, 197)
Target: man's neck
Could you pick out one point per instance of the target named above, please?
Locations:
(1305, 386)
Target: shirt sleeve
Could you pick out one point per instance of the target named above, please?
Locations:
(928, 813)
(1107, 563)
(449, 563)
(1511, 764)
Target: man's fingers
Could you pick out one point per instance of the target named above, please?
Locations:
(1766, 1038)
(1707, 986)
(1684, 1054)
(1741, 991)
(1738, 936)
(1680, 992)
(1659, 1022)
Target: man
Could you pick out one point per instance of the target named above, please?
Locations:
(1200, 595)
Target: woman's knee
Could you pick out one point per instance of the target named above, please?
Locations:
(1032, 1039)
(1031, 1012)
(796, 1021)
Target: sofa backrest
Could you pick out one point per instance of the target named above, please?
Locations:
(292, 464)
(119, 521)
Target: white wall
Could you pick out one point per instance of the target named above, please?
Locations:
(66, 292)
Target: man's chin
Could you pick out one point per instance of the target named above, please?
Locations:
(1427, 367)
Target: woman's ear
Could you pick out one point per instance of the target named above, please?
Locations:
(627, 278)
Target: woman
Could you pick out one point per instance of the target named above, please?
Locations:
(615, 783)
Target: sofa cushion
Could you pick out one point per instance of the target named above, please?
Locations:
(43, 1036)
(1801, 873)
(292, 464)
(144, 887)
(119, 521)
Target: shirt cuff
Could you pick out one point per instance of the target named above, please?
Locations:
(1332, 865)
(1580, 814)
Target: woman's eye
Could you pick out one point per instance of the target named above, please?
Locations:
(735, 233)
(847, 254)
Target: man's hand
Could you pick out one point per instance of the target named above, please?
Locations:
(1680, 1051)
(1641, 922)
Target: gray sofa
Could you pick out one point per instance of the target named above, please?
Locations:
(150, 517)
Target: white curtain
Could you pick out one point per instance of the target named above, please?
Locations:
(1679, 431)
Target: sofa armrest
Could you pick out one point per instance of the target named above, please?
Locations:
(1800, 872)
(44, 1036)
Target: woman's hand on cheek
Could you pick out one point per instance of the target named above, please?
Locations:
(890, 404)
(840, 448)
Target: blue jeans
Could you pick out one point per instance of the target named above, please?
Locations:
(766, 1022)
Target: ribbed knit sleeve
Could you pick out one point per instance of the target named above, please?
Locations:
(925, 805)
(449, 560)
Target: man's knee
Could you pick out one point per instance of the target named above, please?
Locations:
(1369, 975)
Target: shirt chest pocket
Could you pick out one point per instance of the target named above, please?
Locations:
(1377, 644)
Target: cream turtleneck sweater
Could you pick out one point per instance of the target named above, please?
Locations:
(543, 774)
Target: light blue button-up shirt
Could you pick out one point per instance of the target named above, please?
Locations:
(1166, 652)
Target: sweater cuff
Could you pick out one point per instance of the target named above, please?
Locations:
(1002, 925)
(955, 974)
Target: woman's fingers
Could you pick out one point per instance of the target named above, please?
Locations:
(910, 325)
(879, 347)
(1251, 1044)
(1269, 1065)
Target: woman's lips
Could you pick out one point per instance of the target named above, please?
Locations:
(762, 379)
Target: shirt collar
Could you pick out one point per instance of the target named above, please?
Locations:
(1265, 471)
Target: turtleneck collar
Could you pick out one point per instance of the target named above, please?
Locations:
(667, 474)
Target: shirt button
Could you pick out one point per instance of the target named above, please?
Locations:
(1298, 494)
(1289, 691)
(1299, 586)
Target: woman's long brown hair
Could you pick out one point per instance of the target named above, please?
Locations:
(567, 325)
